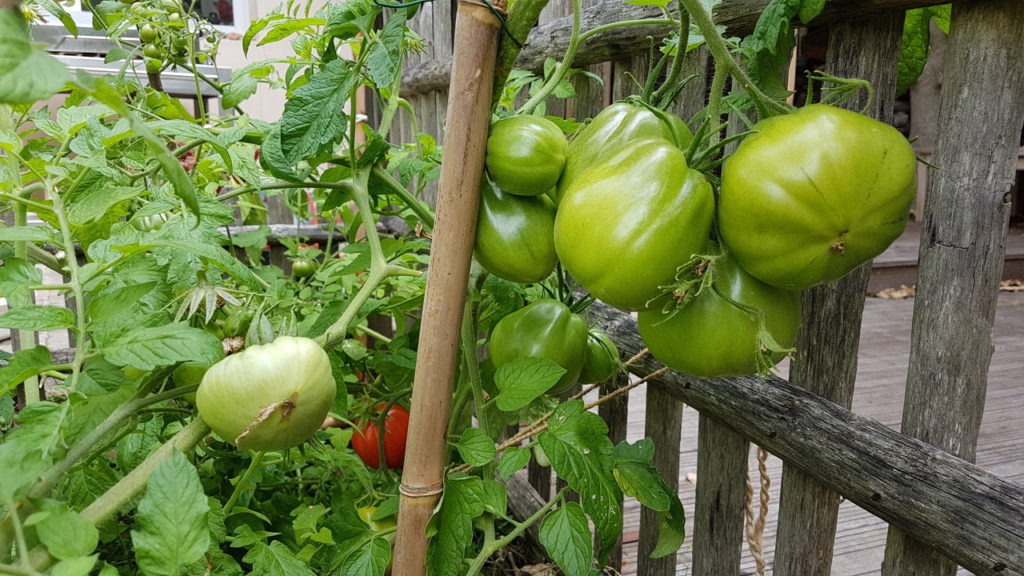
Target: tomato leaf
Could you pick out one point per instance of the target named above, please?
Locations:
(523, 380)
(385, 53)
(370, 559)
(37, 318)
(77, 566)
(148, 348)
(513, 459)
(565, 534)
(27, 73)
(25, 364)
(914, 47)
(65, 533)
(476, 447)
(25, 234)
(171, 527)
(275, 560)
(451, 527)
(810, 9)
(577, 444)
(495, 497)
(671, 525)
(314, 118)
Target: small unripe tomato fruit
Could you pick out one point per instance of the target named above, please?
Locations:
(269, 396)
(148, 33)
(153, 51)
(303, 268)
(153, 65)
(526, 154)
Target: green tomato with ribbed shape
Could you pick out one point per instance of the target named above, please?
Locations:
(544, 329)
(601, 359)
(736, 326)
(613, 128)
(525, 154)
(625, 226)
(515, 235)
(269, 396)
(811, 195)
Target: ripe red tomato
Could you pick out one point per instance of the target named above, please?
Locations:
(366, 442)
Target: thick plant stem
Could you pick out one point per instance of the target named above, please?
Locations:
(481, 558)
(31, 386)
(476, 39)
(522, 16)
(563, 66)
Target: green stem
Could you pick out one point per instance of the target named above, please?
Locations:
(661, 94)
(468, 337)
(19, 534)
(626, 24)
(345, 185)
(485, 553)
(17, 571)
(30, 386)
(25, 202)
(40, 256)
(766, 106)
(422, 209)
(563, 66)
(81, 343)
(257, 459)
(522, 16)
(714, 115)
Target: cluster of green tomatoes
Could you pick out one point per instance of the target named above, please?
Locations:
(165, 35)
(714, 273)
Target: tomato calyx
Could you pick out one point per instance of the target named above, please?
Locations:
(692, 277)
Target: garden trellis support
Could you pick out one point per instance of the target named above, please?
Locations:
(936, 498)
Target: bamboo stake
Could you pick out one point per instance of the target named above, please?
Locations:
(469, 105)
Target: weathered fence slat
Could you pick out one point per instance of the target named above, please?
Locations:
(663, 425)
(981, 114)
(721, 493)
(972, 515)
(826, 359)
(615, 413)
(550, 40)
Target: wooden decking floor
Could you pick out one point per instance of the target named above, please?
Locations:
(884, 354)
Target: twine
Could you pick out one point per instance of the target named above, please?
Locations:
(754, 527)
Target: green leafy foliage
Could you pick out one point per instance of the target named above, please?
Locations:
(27, 73)
(451, 527)
(523, 380)
(914, 47)
(565, 534)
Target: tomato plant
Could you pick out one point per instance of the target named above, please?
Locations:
(624, 248)
(736, 325)
(544, 329)
(303, 267)
(368, 441)
(525, 154)
(601, 358)
(811, 195)
(515, 235)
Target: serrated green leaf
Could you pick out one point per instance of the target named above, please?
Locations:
(25, 234)
(17, 275)
(641, 481)
(66, 534)
(914, 46)
(476, 447)
(155, 346)
(273, 157)
(523, 380)
(369, 560)
(275, 560)
(577, 445)
(240, 88)
(385, 54)
(25, 364)
(452, 524)
(671, 525)
(38, 318)
(513, 459)
(257, 27)
(217, 255)
(27, 73)
(288, 27)
(171, 527)
(78, 566)
(91, 204)
(61, 14)
(565, 534)
(314, 118)
(809, 10)
(495, 498)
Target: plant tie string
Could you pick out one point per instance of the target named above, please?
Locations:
(500, 15)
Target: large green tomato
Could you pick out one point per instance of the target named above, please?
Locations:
(515, 235)
(712, 336)
(269, 396)
(614, 128)
(625, 226)
(525, 154)
(544, 329)
(813, 194)
(601, 359)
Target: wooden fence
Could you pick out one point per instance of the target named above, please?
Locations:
(971, 518)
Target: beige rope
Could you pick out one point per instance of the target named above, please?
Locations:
(754, 527)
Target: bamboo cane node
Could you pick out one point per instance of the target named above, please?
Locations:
(421, 491)
(498, 10)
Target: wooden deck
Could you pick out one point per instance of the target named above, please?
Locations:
(884, 354)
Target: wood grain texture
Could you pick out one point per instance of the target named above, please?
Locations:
(721, 490)
(550, 40)
(972, 515)
(966, 216)
(615, 413)
(664, 428)
(826, 358)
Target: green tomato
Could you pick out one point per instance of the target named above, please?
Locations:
(711, 336)
(154, 65)
(601, 359)
(625, 226)
(525, 154)
(515, 235)
(269, 396)
(150, 222)
(189, 374)
(811, 195)
(153, 51)
(612, 129)
(544, 329)
(303, 268)
(148, 34)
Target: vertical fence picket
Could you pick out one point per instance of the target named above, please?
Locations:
(721, 489)
(981, 114)
(826, 358)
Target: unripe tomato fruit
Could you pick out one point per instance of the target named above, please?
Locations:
(153, 65)
(153, 51)
(544, 329)
(811, 195)
(366, 438)
(148, 34)
(189, 374)
(303, 268)
(525, 154)
(269, 396)
(711, 337)
(601, 359)
(515, 235)
(626, 225)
